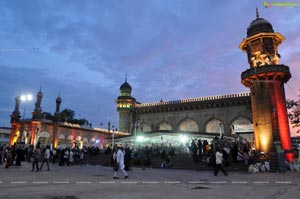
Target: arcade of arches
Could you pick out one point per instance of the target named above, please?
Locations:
(60, 135)
(189, 125)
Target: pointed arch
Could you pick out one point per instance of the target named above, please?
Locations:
(164, 126)
(241, 121)
(44, 138)
(188, 124)
(144, 127)
(214, 125)
(44, 134)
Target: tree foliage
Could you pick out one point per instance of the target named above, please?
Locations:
(294, 112)
(48, 116)
(67, 115)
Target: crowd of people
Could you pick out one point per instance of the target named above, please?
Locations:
(44, 155)
(218, 153)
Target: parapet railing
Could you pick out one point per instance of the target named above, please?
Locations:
(198, 99)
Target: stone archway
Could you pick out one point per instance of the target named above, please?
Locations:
(164, 126)
(188, 125)
(44, 138)
(85, 142)
(79, 142)
(62, 140)
(144, 127)
(239, 121)
(69, 141)
(214, 126)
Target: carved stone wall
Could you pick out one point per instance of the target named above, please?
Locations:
(195, 116)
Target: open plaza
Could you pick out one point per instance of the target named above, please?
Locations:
(94, 181)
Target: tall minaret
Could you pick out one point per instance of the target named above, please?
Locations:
(266, 78)
(125, 107)
(15, 122)
(57, 111)
(15, 116)
(37, 114)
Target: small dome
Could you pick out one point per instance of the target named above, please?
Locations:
(58, 100)
(259, 25)
(40, 94)
(125, 87)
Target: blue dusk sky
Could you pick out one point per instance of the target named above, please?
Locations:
(170, 49)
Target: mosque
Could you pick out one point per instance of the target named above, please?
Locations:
(259, 115)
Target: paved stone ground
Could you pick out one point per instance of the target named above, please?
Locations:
(80, 182)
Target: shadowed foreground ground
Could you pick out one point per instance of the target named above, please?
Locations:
(81, 182)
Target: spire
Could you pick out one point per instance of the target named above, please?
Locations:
(257, 14)
(126, 77)
(40, 88)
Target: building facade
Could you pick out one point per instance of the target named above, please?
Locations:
(203, 116)
(55, 133)
(4, 135)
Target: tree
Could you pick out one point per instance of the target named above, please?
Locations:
(294, 113)
(48, 116)
(67, 115)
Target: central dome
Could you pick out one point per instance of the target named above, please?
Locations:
(125, 87)
(259, 25)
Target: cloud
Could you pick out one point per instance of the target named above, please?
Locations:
(170, 49)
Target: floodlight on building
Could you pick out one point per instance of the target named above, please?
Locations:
(183, 139)
(140, 138)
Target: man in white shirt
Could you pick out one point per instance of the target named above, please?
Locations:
(46, 158)
(119, 160)
(219, 163)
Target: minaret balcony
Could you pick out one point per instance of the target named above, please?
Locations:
(266, 72)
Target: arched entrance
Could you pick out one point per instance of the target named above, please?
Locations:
(85, 142)
(188, 125)
(44, 138)
(62, 141)
(79, 142)
(214, 126)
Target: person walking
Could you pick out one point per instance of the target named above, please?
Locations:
(9, 158)
(219, 163)
(119, 163)
(36, 157)
(46, 158)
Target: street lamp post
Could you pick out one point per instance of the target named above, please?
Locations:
(136, 124)
(24, 98)
(220, 124)
(113, 136)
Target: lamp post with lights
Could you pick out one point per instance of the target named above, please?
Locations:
(220, 125)
(24, 98)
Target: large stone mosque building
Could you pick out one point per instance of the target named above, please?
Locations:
(261, 112)
(200, 117)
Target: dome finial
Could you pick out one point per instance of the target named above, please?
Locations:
(257, 14)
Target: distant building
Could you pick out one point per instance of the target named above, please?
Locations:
(56, 132)
(4, 135)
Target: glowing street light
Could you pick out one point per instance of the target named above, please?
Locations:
(140, 138)
(183, 139)
(25, 98)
